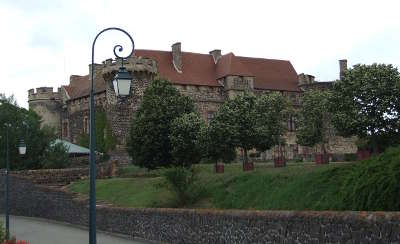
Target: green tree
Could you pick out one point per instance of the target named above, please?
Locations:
(149, 141)
(313, 120)
(272, 112)
(248, 122)
(216, 143)
(185, 139)
(24, 125)
(366, 103)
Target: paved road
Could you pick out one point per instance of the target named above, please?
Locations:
(39, 231)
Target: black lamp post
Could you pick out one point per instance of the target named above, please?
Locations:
(7, 170)
(22, 151)
(122, 84)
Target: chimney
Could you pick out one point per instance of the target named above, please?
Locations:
(216, 54)
(310, 79)
(305, 79)
(342, 67)
(177, 57)
(302, 79)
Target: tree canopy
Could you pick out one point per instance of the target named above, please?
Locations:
(366, 103)
(249, 122)
(25, 125)
(186, 139)
(149, 142)
(313, 119)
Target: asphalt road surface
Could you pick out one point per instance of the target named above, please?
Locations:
(40, 231)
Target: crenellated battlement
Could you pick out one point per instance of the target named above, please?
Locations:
(43, 93)
(133, 64)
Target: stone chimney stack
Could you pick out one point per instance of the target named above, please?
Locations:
(177, 57)
(216, 54)
(342, 67)
(302, 79)
(310, 79)
(305, 79)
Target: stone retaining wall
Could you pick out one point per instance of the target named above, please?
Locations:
(66, 176)
(205, 226)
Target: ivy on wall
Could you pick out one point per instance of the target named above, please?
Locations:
(105, 140)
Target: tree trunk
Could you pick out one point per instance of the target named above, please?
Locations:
(245, 158)
(375, 148)
(324, 156)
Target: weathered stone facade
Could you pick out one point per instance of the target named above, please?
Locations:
(70, 114)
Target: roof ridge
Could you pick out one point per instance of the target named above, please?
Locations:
(266, 59)
(149, 50)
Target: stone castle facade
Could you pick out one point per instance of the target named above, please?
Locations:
(209, 79)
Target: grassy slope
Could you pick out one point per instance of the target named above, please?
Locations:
(297, 187)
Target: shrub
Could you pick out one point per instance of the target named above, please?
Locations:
(374, 184)
(56, 157)
(299, 159)
(181, 181)
(350, 157)
(5, 236)
(3, 233)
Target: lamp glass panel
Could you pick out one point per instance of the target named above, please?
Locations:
(115, 84)
(124, 86)
(22, 150)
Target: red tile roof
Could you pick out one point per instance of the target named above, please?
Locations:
(200, 69)
(197, 69)
(271, 74)
(79, 86)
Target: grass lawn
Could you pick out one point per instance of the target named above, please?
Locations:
(300, 186)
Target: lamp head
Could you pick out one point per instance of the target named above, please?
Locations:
(22, 147)
(122, 82)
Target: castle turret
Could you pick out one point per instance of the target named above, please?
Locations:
(47, 104)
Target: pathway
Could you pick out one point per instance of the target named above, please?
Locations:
(41, 231)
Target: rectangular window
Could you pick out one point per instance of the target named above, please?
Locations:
(292, 124)
(293, 97)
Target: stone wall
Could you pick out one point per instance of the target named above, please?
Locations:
(207, 99)
(77, 111)
(64, 176)
(205, 226)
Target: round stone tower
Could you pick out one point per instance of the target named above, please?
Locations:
(121, 110)
(48, 105)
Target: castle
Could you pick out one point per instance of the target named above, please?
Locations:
(209, 79)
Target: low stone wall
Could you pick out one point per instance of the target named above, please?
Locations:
(205, 226)
(65, 176)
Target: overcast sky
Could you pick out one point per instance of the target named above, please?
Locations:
(43, 42)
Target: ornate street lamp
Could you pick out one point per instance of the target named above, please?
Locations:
(122, 84)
